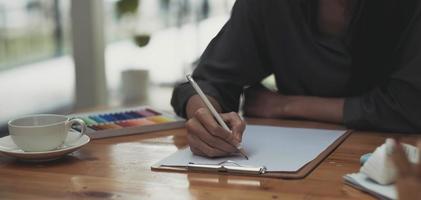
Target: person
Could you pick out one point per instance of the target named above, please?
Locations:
(353, 62)
(408, 183)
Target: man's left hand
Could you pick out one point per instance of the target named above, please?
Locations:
(261, 102)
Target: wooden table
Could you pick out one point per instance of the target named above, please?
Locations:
(119, 168)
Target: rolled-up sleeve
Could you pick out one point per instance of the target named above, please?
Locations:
(232, 60)
(395, 105)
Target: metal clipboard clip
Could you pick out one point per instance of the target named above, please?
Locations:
(227, 166)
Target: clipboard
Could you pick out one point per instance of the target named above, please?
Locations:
(229, 167)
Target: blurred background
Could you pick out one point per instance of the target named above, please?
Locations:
(61, 56)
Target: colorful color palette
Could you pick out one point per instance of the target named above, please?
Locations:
(128, 121)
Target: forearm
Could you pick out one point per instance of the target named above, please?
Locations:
(195, 102)
(313, 108)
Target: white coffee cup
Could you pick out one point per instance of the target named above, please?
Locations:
(42, 132)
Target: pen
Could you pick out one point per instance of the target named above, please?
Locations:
(213, 111)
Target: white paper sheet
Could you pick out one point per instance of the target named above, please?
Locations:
(362, 182)
(277, 148)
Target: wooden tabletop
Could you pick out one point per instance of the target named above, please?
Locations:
(119, 168)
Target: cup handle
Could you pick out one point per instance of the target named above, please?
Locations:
(82, 124)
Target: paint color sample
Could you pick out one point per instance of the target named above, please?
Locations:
(128, 121)
(160, 119)
(146, 113)
(105, 126)
(97, 119)
(125, 119)
(135, 122)
(88, 121)
(153, 111)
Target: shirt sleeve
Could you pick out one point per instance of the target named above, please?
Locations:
(232, 60)
(396, 105)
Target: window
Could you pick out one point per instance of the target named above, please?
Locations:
(179, 31)
(36, 72)
(32, 30)
(165, 37)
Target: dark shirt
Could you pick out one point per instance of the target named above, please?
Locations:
(375, 64)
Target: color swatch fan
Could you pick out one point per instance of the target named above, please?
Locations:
(128, 121)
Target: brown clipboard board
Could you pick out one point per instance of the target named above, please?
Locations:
(301, 173)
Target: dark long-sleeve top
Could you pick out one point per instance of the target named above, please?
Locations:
(375, 64)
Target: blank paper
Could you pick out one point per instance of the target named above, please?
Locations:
(279, 149)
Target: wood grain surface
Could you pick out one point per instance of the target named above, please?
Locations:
(119, 168)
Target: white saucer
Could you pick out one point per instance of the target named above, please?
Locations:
(8, 147)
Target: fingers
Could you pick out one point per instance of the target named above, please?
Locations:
(236, 124)
(207, 138)
(197, 129)
(197, 151)
(201, 148)
(400, 160)
(207, 120)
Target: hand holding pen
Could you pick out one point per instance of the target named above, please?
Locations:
(209, 133)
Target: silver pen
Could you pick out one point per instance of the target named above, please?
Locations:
(213, 111)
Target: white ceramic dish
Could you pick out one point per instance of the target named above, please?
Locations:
(9, 148)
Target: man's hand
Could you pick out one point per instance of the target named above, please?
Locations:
(205, 136)
(408, 183)
(261, 102)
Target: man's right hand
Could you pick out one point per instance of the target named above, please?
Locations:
(206, 137)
